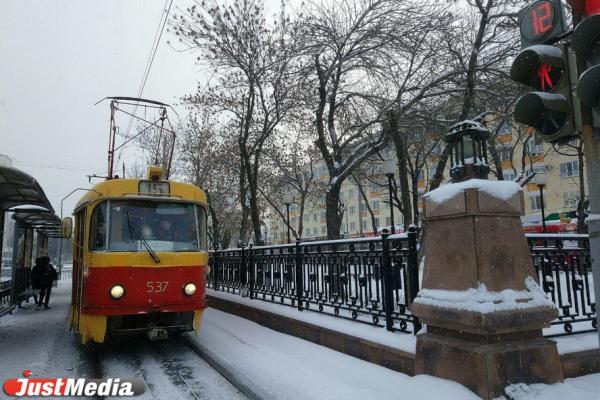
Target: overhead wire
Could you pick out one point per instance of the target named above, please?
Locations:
(50, 166)
(151, 56)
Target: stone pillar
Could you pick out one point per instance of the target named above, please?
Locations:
(480, 298)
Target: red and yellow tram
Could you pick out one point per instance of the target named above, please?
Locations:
(139, 259)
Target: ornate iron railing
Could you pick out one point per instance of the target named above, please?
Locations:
(5, 293)
(366, 280)
(562, 262)
(369, 280)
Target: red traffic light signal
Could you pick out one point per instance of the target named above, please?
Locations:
(548, 109)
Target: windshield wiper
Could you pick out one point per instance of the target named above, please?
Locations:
(133, 232)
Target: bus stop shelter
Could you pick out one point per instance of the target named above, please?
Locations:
(35, 220)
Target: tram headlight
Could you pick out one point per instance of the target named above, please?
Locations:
(117, 291)
(189, 289)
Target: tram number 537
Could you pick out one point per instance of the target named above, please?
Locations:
(156, 286)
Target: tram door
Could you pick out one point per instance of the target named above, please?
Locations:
(78, 266)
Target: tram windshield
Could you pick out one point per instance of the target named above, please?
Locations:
(134, 225)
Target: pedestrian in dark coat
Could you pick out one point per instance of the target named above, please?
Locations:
(36, 274)
(47, 276)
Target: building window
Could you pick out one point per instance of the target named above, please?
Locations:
(323, 229)
(376, 221)
(315, 231)
(375, 204)
(388, 220)
(362, 207)
(314, 217)
(535, 148)
(536, 201)
(570, 199)
(364, 224)
(505, 129)
(569, 169)
(351, 210)
(322, 200)
(322, 214)
(351, 193)
(352, 226)
(504, 153)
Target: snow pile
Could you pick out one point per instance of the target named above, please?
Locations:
(581, 388)
(503, 190)
(484, 301)
(592, 218)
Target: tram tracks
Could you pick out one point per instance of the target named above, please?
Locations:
(176, 368)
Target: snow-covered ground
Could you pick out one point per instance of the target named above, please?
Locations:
(401, 341)
(275, 365)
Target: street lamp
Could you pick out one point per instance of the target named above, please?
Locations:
(389, 168)
(468, 158)
(540, 180)
(288, 198)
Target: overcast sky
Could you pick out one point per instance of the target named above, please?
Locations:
(58, 58)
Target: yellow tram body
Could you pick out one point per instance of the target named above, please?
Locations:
(129, 280)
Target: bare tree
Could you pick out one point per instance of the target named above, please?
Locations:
(292, 172)
(346, 42)
(484, 60)
(204, 158)
(254, 60)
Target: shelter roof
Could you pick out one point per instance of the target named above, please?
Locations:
(45, 222)
(18, 188)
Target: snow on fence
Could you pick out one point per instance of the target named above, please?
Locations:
(564, 269)
(374, 280)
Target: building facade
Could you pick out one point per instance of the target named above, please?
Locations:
(520, 156)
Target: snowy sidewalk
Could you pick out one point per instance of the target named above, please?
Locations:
(40, 341)
(284, 367)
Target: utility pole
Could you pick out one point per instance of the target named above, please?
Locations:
(585, 43)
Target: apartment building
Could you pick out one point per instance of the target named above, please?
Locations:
(518, 156)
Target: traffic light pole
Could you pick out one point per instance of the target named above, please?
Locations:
(591, 138)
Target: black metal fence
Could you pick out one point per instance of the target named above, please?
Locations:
(562, 262)
(5, 293)
(374, 280)
(369, 280)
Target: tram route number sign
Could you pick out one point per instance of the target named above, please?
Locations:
(541, 22)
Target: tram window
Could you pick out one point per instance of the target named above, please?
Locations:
(163, 226)
(201, 213)
(98, 228)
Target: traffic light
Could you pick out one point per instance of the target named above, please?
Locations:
(549, 108)
(544, 68)
(586, 43)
